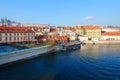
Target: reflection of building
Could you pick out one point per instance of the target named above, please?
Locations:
(16, 34)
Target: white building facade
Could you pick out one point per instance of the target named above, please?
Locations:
(16, 34)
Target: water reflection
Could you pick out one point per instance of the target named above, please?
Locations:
(90, 62)
(91, 51)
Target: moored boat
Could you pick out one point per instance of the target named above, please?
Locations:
(69, 46)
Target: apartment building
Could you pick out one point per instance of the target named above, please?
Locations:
(92, 31)
(16, 34)
(110, 36)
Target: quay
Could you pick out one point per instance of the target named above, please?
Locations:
(101, 42)
(25, 54)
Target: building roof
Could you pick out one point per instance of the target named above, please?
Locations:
(52, 29)
(78, 27)
(87, 27)
(111, 34)
(5, 29)
(91, 27)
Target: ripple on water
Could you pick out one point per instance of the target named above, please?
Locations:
(99, 62)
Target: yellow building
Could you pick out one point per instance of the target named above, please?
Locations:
(79, 30)
(92, 31)
(88, 31)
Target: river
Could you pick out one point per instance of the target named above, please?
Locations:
(90, 62)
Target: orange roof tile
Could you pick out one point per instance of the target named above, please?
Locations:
(91, 27)
(15, 30)
(111, 34)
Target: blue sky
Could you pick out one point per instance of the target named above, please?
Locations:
(62, 12)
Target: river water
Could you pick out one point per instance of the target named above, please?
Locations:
(91, 62)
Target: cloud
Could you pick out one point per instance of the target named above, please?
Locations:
(88, 17)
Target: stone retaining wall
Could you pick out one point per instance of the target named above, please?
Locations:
(24, 54)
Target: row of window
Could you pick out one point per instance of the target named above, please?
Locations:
(17, 38)
(15, 34)
(110, 38)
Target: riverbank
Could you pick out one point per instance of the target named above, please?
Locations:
(102, 42)
(25, 54)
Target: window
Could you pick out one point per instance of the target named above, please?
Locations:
(6, 38)
(10, 34)
(24, 38)
(10, 38)
(6, 34)
(17, 38)
(14, 38)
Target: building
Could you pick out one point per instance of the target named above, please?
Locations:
(45, 30)
(40, 29)
(111, 36)
(36, 25)
(37, 30)
(16, 34)
(79, 30)
(7, 22)
(92, 32)
(110, 29)
(60, 31)
(82, 38)
(70, 33)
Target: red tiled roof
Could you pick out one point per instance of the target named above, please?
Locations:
(52, 29)
(5, 29)
(111, 34)
(87, 27)
(78, 27)
(66, 28)
(91, 27)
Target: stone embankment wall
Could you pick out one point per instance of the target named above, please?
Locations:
(102, 42)
(25, 54)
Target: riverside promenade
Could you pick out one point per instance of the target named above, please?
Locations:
(25, 54)
(101, 42)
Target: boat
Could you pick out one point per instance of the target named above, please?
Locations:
(69, 46)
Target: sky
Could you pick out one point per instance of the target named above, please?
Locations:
(62, 12)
